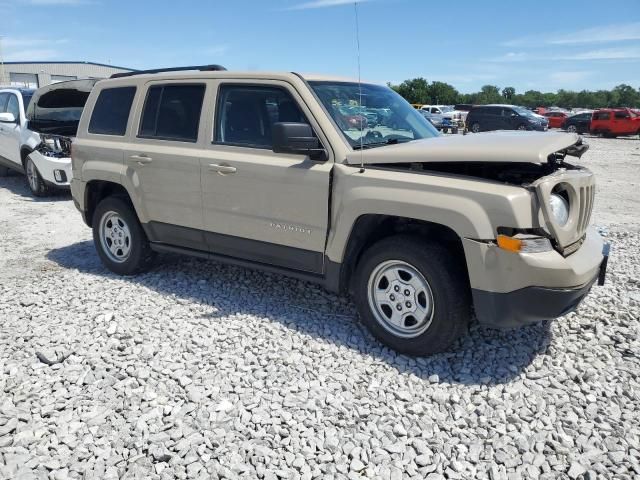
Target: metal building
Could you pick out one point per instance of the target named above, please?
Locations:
(39, 74)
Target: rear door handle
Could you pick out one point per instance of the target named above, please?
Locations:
(222, 169)
(141, 159)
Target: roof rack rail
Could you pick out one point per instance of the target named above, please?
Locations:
(201, 68)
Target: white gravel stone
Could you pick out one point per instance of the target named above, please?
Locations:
(200, 370)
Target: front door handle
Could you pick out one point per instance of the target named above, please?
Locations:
(141, 159)
(222, 169)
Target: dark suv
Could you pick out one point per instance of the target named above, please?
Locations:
(483, 118)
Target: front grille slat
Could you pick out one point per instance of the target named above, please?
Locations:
(581, 209)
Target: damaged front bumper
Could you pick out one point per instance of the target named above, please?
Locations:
(55, 171)
(511, 290)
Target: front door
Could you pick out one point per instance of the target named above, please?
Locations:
(10, 132)
(258, 205)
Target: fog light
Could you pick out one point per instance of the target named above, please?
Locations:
(60, 176)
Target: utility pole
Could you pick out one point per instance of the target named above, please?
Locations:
(2, 77)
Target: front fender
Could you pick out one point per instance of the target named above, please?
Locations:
(472, 208)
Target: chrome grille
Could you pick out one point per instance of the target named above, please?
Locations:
(587, 195)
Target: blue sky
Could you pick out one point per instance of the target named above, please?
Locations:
(542, 45)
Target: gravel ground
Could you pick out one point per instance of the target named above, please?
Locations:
(200, 370)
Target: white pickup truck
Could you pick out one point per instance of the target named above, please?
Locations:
(36, 127)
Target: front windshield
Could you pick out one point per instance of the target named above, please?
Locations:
(446, 109)
(524, 112)
(382, 117)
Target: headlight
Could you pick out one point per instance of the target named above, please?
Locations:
(559, 208)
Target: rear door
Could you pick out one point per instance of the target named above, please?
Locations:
(163, 161)
(259, 205)
(621, 123)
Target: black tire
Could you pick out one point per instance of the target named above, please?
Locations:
(34, 180)
(140, 257)
(448, 284)
(475, 127)
(572, 129)
(522, 126)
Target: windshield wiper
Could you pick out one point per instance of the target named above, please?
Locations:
(391, 141)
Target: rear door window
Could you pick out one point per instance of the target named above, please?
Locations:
(111, 111)
(601, 116)
(172, 112)
(621, 115)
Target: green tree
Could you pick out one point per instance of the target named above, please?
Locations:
(489, 94)
(442, 93)
(508, 93)
(414, 91)
(627, 96)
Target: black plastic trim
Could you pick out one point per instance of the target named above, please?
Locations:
(200, 68)
(328, 282)
(526, 306)
(231, 246)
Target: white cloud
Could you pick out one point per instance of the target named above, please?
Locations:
(323, 4)
(30, 55)
(30, 48)
(59, 2)
(607, 54)
(603, 34)
(511, 57)
(599, 34)
(216, 50)
(569, 77)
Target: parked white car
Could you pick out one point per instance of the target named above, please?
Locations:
(446, 111)
(36, 128)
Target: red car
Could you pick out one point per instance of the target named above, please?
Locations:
(556, 119)
(615, 122)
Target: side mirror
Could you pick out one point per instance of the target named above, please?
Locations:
(8, 118)
(297, 138)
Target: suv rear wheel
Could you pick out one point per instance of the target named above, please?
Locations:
(119, 238)
(572, 129)
(412, 295)
(475, 127)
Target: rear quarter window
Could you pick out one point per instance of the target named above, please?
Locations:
(111, 111)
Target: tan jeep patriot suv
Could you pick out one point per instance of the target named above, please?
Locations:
(343, 184)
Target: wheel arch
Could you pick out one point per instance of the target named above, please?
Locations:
(25, 151)
(369, 229)
(96, 191)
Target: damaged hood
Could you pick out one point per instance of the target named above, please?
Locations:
(500, 146)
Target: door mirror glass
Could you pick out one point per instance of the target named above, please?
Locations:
(7, 118)
(298, 138)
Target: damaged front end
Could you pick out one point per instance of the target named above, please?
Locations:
(562, 193)
(55, 146)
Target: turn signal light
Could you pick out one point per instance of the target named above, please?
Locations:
(523, 244)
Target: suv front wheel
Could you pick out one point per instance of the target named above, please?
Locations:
(119, 238)
(412, 295)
